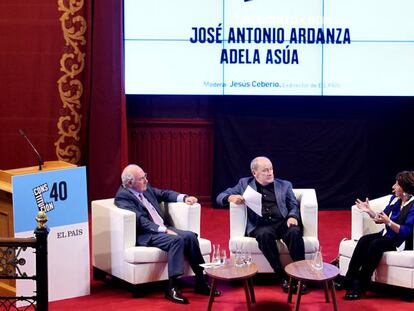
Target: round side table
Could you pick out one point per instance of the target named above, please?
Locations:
(229, 272)
(303, 271)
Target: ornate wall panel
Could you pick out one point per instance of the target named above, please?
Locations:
(70, 84)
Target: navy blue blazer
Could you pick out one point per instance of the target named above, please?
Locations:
(145, 226)
(405, 218)
(285, 199)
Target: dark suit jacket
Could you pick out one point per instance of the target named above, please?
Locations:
(125, 199)
(285, 199)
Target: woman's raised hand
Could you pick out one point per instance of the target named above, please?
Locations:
(364, 206)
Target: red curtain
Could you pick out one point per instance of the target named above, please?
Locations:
(107, 132)
(31, 46)
(62, 83)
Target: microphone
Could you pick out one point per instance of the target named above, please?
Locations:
(39, 158)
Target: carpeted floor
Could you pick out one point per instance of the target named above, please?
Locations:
(333, 227)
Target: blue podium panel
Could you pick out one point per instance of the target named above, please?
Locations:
(62, 194)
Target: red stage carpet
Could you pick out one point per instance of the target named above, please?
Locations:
(333, 226)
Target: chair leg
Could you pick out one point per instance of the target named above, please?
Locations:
(407, 294)
(137, 291)
(98, 274)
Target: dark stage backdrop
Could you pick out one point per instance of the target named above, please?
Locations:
(344, 147)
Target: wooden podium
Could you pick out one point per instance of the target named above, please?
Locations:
(6, 205)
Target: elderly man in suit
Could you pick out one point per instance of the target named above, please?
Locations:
(153, 229)
(280, 215)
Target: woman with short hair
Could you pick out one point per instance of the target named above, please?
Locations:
(398, 217)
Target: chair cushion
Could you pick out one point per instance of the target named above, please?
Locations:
(145, 254)
(403, 259)
(250, 244)
(346, 248)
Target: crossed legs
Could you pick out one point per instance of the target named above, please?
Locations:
(364, 261)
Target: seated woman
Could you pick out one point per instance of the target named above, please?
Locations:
(398, 216)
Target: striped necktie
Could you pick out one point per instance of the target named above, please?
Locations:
(151, 210)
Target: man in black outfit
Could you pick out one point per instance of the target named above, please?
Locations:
(153, 229)
(280, 215)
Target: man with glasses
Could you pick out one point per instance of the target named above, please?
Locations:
(280, 215)
(153, 229)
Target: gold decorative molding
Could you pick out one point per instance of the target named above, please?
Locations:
(72, 64)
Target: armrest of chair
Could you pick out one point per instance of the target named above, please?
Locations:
(185, 217)
(113, 230)
(238, 220)
(308, 205)
(362, 224)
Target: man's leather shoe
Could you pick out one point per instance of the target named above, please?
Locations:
(352, 294)
(174, 295)
(339, 285)
(205, 289)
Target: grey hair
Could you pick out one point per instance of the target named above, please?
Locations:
(127, 176)
(254, 164)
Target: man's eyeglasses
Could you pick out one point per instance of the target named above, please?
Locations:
(267, 170)
(143, 177)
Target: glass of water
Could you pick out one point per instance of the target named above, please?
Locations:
(247, 257)
(239, 256)
(317, 261)
(215, 258)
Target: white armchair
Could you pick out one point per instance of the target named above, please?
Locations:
(113, 242)
(395, 268)
(309, 213)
